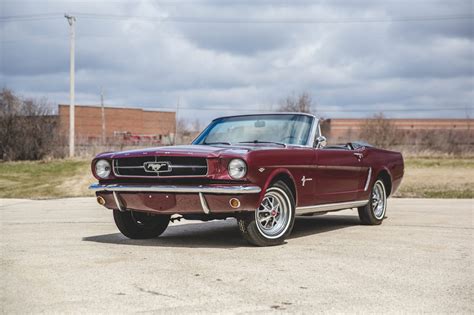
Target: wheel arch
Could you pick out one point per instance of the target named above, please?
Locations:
(386, 178)
(281, 175)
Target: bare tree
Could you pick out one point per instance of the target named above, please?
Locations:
(196, 126)
(379, 131)
(183, 131)
(27, 129)
(302, 103)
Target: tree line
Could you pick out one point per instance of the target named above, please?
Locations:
(29, 130)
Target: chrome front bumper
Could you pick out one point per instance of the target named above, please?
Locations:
(200, 190)
(178, 189)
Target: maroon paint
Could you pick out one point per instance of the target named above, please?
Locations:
(336, 175)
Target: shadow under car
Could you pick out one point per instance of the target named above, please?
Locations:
(225, 233)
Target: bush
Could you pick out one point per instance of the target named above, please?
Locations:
(379, 132)
(28, 131)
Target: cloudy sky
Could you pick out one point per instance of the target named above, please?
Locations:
(406, 58)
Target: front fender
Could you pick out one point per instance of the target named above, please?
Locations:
(272, 176)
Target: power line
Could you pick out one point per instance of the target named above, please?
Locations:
(30, 17)
(213, 20)
(26, 16)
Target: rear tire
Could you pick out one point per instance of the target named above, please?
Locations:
(374, 212)
(273, 221)
(140, 225)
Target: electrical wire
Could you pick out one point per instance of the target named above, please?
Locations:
(213, 20)
(206, 20)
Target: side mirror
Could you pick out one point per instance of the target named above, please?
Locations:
(321, 142)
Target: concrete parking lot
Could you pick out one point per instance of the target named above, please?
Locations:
(66, 255)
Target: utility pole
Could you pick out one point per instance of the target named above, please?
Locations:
(71, 20)
(176, 122)
(103, 114)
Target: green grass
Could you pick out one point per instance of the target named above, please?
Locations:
(425, 177)
(44, 179)
(438, 177)
(441, 162)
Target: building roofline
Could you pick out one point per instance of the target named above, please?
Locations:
(120, 107)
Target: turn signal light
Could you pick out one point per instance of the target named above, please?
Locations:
(234, 203)
(101, 200)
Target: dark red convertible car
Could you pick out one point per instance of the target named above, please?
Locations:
(261, 169)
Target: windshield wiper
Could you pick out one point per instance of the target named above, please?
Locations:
(258, 141)
(219, 142)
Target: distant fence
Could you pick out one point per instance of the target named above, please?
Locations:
(412, 142)
(408, 142)
(386, 135)
(88, 147)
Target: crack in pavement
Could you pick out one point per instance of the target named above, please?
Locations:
(155, 293)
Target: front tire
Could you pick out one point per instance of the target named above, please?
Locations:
(374, 212)
(140, 225)
(273, 221)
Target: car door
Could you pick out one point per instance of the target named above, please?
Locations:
(366, 160)
(338, 175)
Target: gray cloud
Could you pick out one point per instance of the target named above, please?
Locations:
(351, 69)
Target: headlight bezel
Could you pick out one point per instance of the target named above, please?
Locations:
(237, 168)
(105, 170)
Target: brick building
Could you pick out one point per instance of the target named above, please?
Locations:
(340, 130)
(120, 123)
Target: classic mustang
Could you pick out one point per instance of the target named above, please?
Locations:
(262, 170)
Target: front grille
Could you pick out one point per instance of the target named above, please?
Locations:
(160, 166)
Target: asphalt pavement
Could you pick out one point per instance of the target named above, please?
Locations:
(66, 255)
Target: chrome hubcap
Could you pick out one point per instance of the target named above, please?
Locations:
(378, 200)
(273, 214)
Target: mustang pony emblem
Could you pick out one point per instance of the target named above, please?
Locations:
(156, 167)
(304, 179)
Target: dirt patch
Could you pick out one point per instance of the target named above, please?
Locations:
(438, 178)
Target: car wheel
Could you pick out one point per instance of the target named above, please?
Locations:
(140, 225)
(374, 212)
(273, 221)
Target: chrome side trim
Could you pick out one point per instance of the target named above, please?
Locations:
(179, 189)
(118, 203)
(331, 207)
(340, 168)
(204, 205)
(368, 179)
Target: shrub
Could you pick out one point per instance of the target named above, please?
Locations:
(28, 131)
(379, 132)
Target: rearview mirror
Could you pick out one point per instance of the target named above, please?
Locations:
(321, 142)
(260, 124)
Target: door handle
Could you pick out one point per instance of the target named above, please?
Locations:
(359, 155)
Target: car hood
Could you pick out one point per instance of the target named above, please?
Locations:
(208, 151)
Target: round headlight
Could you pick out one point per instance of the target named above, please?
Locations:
(237, 168)
(102, 168)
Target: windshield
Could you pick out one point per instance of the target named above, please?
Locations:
(280, 129)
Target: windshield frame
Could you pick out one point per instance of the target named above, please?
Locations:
(315, 129)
